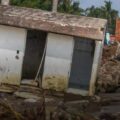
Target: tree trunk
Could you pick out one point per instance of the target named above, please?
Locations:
(5, 2)
(55, 5)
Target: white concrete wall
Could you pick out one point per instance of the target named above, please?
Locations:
(12, 39)
(57, 62)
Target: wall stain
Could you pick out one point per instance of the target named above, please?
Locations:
(55, 82)
(11, 79)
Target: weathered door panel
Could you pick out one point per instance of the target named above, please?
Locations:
(12, 47)
(81, 64)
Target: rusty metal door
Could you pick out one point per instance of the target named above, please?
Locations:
(12, 46)
(81, 64)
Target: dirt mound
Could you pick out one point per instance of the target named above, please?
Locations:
(13, 108)
(109, 76)
(109, 52)
(109, 72)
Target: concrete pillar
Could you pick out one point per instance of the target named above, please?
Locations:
(97, 56)
(5, 2)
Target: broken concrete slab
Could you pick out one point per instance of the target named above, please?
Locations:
(112, 109)
(47, 100)
(8, 88)
(30, 100)
(14, 108)
(29, 82)
(27, 95)
(30, 89)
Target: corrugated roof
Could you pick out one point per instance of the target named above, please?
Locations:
(53, 22)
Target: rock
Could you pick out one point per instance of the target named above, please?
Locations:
(76, 103)
(30, 100)
(49, 100)
(29, 82)
(111, 109)
(8, 88)
(27, 95)
(76, 106)
(96, 98)
(107, 116)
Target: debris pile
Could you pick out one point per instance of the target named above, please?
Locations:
(109, 73)
(15, 108)
(110, 52)
(106, 108)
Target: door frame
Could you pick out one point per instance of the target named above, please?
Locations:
(94, 71)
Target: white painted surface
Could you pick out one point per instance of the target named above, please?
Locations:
(57, 66)
(11, 40)
(60, 46)
(10, 67)
(57, 61)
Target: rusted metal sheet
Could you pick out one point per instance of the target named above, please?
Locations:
(117, 32)
(57, 62)
(12, 46)
(53, 22)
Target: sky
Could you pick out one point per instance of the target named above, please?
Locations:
(89, 3)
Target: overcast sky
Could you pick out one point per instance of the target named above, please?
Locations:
(88, 3)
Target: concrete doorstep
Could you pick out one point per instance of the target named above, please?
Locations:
(29, 82)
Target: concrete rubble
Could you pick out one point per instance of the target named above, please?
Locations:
(109, 72)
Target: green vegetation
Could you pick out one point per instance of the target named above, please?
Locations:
(72, 7)
(65, 6)
(42, 4)
(106, 12)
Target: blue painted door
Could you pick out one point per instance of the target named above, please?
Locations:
(81, 64)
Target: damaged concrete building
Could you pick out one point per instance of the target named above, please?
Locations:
(67, 47)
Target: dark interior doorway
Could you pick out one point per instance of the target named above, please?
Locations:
(82, 63)
(35, 45)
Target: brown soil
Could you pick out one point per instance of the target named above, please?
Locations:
(109, 72)
(13, 108)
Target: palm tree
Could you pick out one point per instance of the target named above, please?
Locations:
(110, 14)
(106, 12)
(70, 6)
